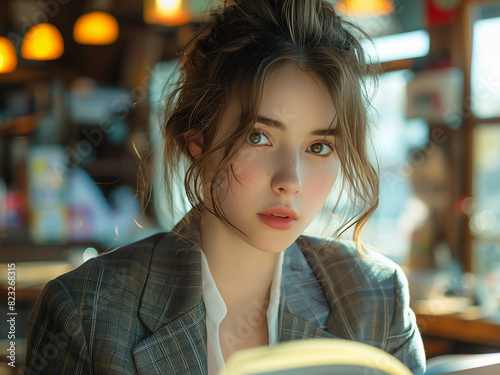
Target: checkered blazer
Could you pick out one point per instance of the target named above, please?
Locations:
(139, 309)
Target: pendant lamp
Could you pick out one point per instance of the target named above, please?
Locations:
(96, 28)
(166, 12)
(8, 56)
(42, 42)
(365, 8)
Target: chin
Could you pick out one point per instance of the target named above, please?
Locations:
(274, 245)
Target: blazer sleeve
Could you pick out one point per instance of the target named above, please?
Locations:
(56, 341)
(404, 341)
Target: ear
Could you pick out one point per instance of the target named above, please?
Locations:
(195, 143)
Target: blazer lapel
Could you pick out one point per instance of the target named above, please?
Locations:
(303, 306)
(294, 327)
(172, 306)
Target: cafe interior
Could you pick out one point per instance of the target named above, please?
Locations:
(82, 84)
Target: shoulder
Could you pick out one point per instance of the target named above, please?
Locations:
(368, 297)
(341, 259)
(121, 268)
(109, 285)
(81, 311)
(363, 291)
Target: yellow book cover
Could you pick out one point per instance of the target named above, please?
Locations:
(314, 357)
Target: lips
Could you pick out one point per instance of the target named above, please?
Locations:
(280, 223)
(280, 210)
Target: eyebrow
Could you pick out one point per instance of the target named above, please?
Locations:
(280, 126)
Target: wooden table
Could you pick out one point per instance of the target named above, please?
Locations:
(453, 334)
(454, 327)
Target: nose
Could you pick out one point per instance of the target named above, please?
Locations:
(287, 178)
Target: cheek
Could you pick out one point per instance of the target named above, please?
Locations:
(320, 182)
(319, 187)
(249, 175)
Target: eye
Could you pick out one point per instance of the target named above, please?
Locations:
(326, 145)
(259, 136)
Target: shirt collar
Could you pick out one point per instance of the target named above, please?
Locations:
(216, 311)
(214, 303)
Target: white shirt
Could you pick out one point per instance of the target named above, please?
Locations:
(216, 311)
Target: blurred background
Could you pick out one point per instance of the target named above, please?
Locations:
(81, 85)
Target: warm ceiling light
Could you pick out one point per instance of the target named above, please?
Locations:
(167, 12)
(365, 8)
(8, 57)
(96, 28)
(42, 42)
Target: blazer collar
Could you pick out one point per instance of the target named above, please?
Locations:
(172, 305)
(173, 285)
(303, 305)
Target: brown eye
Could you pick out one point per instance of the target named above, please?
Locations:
(256, 137)
(317, 147)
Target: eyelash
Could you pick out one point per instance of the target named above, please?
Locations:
(327, 143)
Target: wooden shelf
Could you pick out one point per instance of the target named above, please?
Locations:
(453, 327)
(393, 66)
(16, 246)
(26, 75)
(18, 125)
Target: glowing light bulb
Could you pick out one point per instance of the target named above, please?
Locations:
(8, 57)
(96, 28)
(42, 42)
(168, 12)
(365, 8)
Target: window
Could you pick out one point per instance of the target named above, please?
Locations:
(484, 128)
(485, 74)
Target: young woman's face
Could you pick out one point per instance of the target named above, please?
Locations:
(291, 166)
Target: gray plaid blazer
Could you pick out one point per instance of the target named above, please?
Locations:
(139, 309)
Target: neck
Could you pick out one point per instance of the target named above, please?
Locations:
(242, 273)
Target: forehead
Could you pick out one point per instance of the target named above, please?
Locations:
(291, 95)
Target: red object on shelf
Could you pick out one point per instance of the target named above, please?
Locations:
(16, 209)
(440, 12)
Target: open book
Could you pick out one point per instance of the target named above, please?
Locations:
(314, 357)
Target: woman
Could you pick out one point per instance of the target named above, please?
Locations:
(269, 110)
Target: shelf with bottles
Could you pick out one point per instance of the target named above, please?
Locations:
(68, 173)
(49, 206)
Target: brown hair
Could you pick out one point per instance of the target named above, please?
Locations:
(232, 56)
